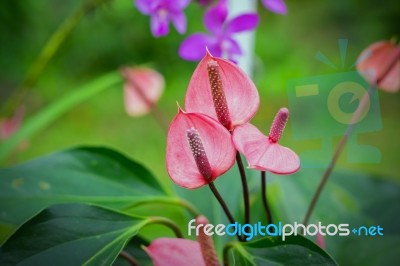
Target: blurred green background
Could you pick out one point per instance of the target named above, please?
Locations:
(116, 34)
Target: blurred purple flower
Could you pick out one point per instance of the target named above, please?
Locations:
(276, 6)
(161, 12)
(220, 42)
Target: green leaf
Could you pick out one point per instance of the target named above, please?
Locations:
(42, 119)
(349, 198)
(295, 250)
(71, 234)
(88, 175)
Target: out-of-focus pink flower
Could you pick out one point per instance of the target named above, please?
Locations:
(379, 64)
(320, 240)
(221, 40)
(199, 150)
(142, 89)
(9, 125)
(221, 90)
(183, 252)
(162, 12)
(175, 252)
(263, 152)
(276, 6)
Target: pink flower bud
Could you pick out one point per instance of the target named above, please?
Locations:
(142, 89)
(379, 64)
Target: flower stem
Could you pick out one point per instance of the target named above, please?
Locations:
(245, 189)
(131, 260)
(264, 196)
(168, 223)
(49, 50)
(357, 114)
(223, 205)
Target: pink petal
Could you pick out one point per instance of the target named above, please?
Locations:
(262, 154)
(217, 143)
(9, 126)
(241, 23)
(276, 6)
(193, 48)
(175, 252)
(142, 89)
(380, 63)
(241, 93)
(215, 17)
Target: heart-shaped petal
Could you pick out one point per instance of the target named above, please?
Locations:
(215, 140)
(263, 154)
(142, 89)
(240, 92)
(175, 252)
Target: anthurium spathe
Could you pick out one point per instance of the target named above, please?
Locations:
(263, 152)
(379, 64)
(143, 87)
(223, 91)
(175, 252)
(199, 149)
(183, 252)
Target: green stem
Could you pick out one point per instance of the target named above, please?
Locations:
(173, 201)
(224, 207)
(225, 253)
(168, 223)
(264, 196)
(245, 188)
(56, 109)
(49, 49)
(131, 260)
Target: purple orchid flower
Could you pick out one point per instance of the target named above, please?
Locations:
(276, 6)
(161, 12)
(220, 42)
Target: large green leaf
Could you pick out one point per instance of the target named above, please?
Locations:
(91, 175)
(71, 234)
(350, 198)
(295, 250)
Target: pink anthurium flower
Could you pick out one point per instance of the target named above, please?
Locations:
(199, 149)
(379, 64)
(183, 252)
(263, 152)
(175, 252)
(221, 90)
(142, 89)
(8, 126)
